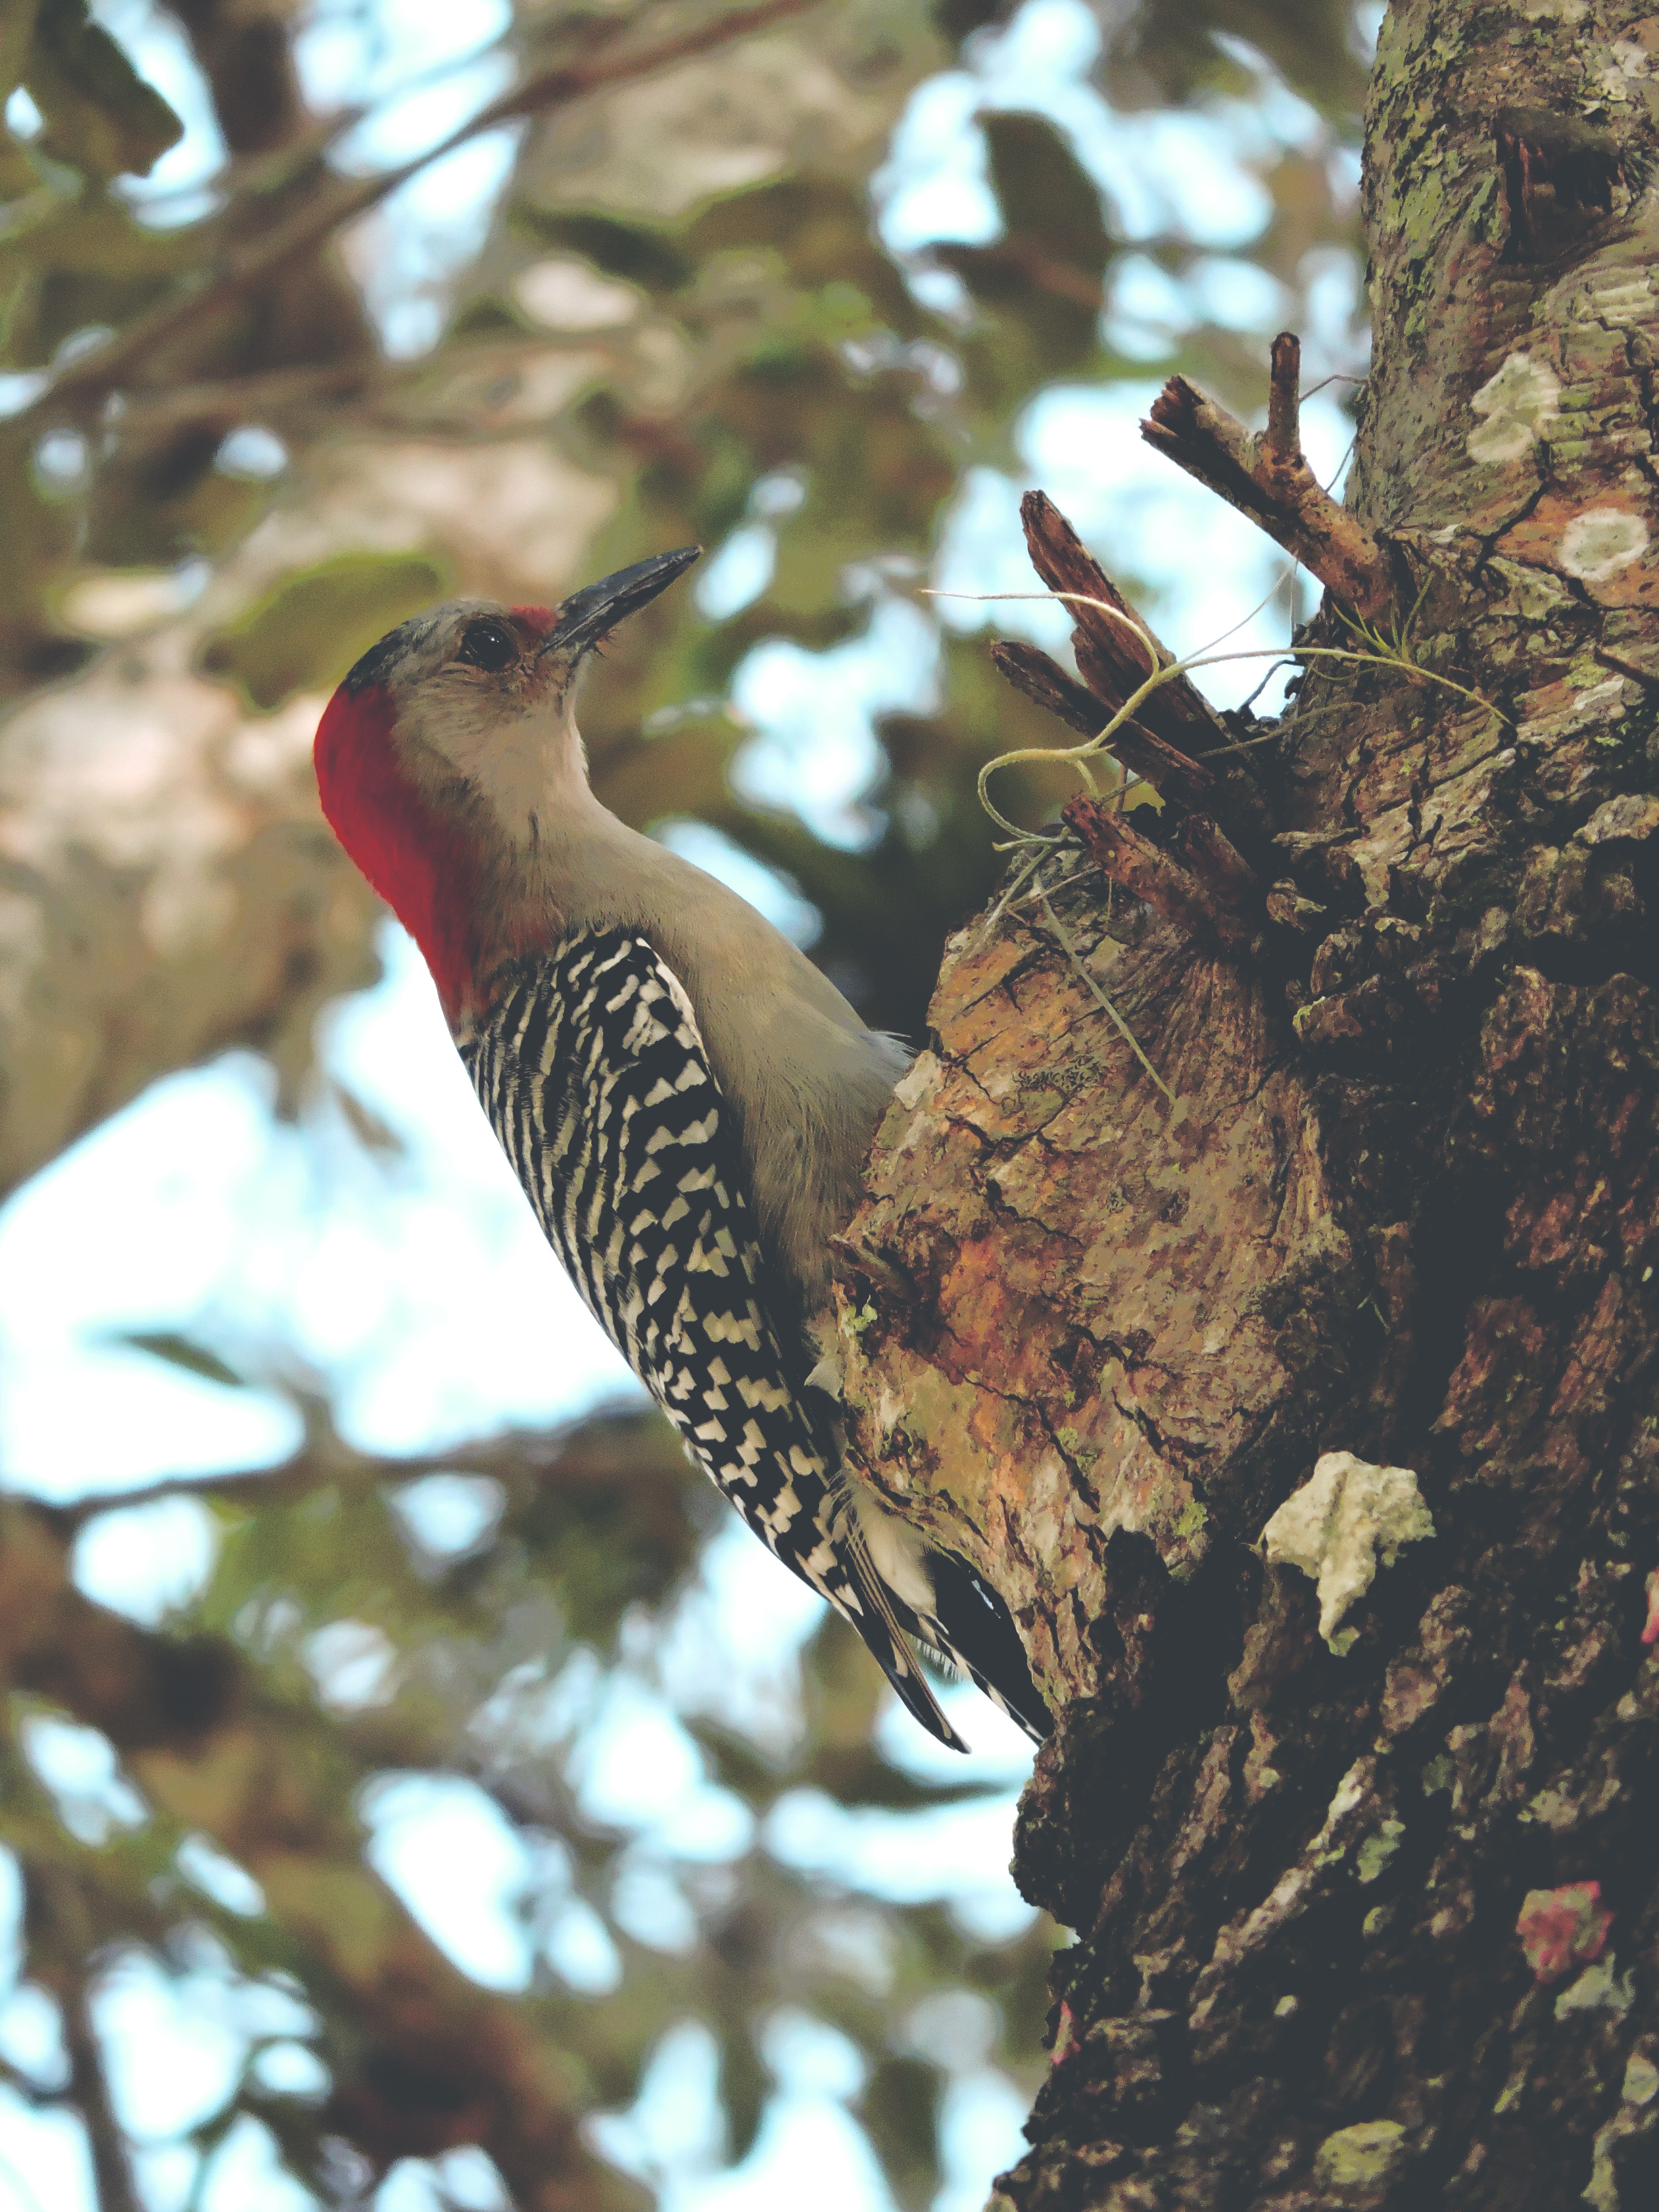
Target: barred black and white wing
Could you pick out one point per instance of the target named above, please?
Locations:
(593, 1074)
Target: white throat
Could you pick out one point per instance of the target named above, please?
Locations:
(527, 773)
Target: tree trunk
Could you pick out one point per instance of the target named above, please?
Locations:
(1363, 1873)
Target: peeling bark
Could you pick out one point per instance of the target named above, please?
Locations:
(1404, 1206)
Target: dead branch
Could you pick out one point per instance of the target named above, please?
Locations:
(1216, 861)
(390, 394)
(63, 1930)
(228, 400)
(1267, 477)
(1174, 726)
(1110, 657)
(1147, 872)
(613, 1451)
(1169, 772)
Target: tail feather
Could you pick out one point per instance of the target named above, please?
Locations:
(908, 1590)
(974, 1627)
(879, 1627)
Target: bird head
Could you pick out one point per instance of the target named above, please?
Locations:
(449, 757)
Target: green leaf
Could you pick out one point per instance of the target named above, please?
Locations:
(182, 1352)
(306, 632)
(1044, 191)
(1043, 281)
(639, 253)
(100, 113)
(899, 2109)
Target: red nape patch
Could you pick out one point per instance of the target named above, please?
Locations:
(427, 870)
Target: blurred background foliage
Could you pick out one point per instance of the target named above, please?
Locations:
(315, 310)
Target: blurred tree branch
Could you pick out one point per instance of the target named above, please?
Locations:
(249, 64)
(1267, 477)
(63, 1951)
(440, 2061)
(422, 2058)
(336, 202)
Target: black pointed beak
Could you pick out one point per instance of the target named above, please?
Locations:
(587, 615)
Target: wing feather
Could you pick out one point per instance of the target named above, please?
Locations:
(595, 1077)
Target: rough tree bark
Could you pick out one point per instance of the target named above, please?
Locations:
(1326, 1851)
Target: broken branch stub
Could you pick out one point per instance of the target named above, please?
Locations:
(1195, 904)
(1175, 727)
(1212, 857)
(1204, 886)
(1267, 477)
(1169, 772)
(1111, 657)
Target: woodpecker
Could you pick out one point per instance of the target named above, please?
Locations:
(685, 1098)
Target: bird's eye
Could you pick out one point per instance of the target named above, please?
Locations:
(487, 645)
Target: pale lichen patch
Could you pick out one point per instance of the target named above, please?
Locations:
(1621, 299)
(1366, 2153)
(1514, 405)
(1630, 819)
(1350, 1791)
(1050, 1504)
(1377, 1849)
(1641, 2085)
(1336, 1526)
(1598, 1988)
(891, 1407)
(1603, 702)
(1599, 543)
(920, 1083)
(1627, 59)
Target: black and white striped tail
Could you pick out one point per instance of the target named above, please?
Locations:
(971, 1628)
(593, 1074)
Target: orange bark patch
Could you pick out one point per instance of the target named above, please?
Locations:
(1606, 544)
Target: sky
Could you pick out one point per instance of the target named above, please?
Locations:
(418, 1286)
